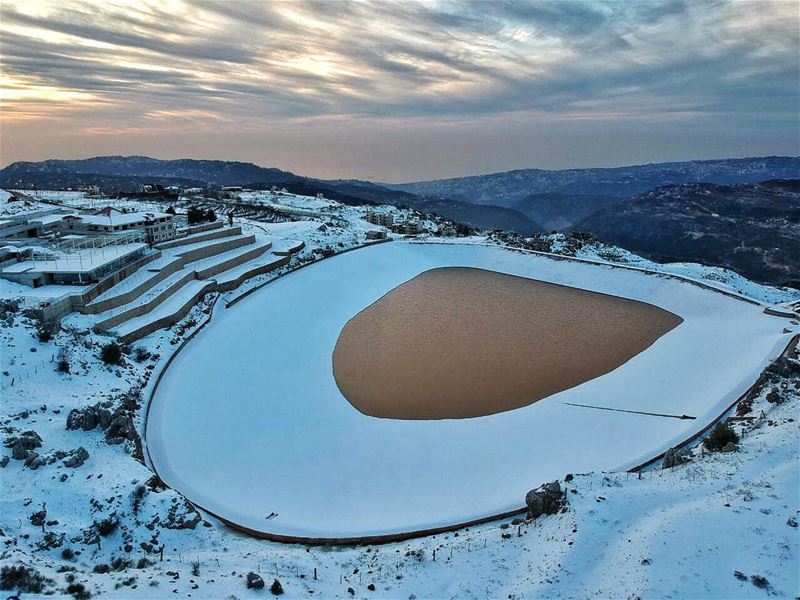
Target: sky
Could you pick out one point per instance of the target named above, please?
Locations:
(400, 91)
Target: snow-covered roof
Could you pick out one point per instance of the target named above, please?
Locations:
(120, 219)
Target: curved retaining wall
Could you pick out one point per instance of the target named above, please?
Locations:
(398, 537)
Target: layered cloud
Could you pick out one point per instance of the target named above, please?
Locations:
(87, 70)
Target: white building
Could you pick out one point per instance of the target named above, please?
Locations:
(382, 219)
(157, 227)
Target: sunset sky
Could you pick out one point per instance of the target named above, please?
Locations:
(396, 91)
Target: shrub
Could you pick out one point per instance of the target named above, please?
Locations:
(111, 353)
(141, 354)
(22, 578)
(78, 591)
(720, 437)
(63, 365)
(68, 554)
(195, 215)
(210, 215)
(170, 210)
(45, 332)
(106, 527)
(276, 588)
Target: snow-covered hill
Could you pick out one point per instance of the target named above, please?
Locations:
(80, 512)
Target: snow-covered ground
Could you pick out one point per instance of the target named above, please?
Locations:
(262, 374)
(678, 533)
(712, 528)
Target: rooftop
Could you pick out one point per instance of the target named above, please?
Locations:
(83, 261)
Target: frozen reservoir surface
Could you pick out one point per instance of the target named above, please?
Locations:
(248, 422)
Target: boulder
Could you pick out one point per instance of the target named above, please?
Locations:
(254, 581)
(676, 456)
(76, 458)
(729, 447)
(120, 428)
(545, 500)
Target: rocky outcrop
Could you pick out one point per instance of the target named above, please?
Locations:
(547, 499)
(88, 418)
(117, 423)
(23, 444)
(182, 515)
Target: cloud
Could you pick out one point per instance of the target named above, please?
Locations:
(261, 64)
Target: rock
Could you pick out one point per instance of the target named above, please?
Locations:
(545, 500)
(791, 522)
(19, 453)
(3, 462)
(676, 456)
(34, 461)
(729, 447)
(77, 458)
(276, 588)
(569, 477)
(371, 587)
(254, 581)
(51, 540)
(120, 428)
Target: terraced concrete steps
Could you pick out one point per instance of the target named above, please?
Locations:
(173, 284)
(200, 237)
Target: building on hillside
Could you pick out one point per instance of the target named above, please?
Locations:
(156, 227)
(91, 189)
(408, 228)
(79, 266)
(377, 218)
(151, 189)
(376, 235)
(34, 224)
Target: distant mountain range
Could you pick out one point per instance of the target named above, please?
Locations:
(753, 229)
(510, 187)
(124, 174)
(710, 211)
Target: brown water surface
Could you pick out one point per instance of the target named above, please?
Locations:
(460, 342)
